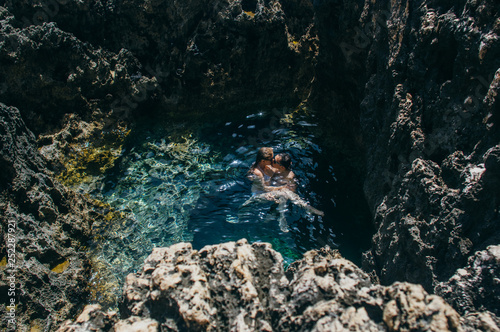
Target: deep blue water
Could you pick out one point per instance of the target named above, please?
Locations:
(186, 181)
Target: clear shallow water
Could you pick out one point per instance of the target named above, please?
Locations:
(187, 182)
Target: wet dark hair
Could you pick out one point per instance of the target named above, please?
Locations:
(285, 160)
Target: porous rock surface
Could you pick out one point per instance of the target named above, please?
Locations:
(236, 286)
(475, 285)
(48, 73)
(50, 225)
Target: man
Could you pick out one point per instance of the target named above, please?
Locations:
(283, 174)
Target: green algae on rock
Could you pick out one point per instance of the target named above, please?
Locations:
(82, 152)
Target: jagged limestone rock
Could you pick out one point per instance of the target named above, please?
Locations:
(236, 286)
(429, 120)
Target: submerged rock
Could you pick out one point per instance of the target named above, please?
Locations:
(236, 286)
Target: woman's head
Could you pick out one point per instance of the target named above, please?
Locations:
(264, 155)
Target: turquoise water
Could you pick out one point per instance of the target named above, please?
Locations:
(186, 181)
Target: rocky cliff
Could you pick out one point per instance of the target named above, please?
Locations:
(429, 115)
(408, 91)
(211, 54)
(44, 228)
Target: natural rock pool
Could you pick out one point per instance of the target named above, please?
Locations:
(407, 98)
(185, 181)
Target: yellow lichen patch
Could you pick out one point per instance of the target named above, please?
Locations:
(3, 262)
(109, 216)
(88, 163)
(108, 212)
(250, 13)
(113, 215)
(60, 268)
(99, 203)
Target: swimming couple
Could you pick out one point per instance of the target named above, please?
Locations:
(273, 180)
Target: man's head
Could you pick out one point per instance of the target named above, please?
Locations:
(282, 160)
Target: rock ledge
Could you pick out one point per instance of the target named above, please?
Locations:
(236, 286)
